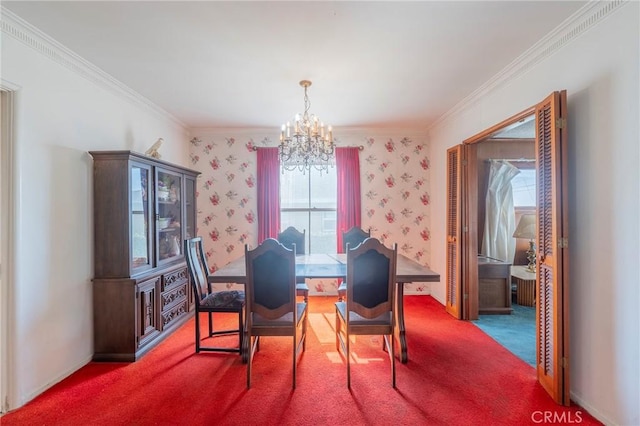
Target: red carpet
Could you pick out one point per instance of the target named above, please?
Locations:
(456, 375)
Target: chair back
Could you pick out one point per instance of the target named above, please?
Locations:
(291, 236)
(371, 276)
(353, 237)
(271, 280)
(198, 268)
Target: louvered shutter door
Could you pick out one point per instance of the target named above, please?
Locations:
(454, 302)
(552, 254)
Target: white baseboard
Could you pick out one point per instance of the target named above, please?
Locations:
(27, 398)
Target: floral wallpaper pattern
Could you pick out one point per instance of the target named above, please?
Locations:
(394, 183)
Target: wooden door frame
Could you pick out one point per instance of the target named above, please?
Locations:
(8, 216)
(469, 246)
(552, 352)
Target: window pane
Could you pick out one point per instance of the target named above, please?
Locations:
(306, 192)
(294, 190)
(319, 227)
(323, 189)
(323, 232)
(524, 188)
(299, 220)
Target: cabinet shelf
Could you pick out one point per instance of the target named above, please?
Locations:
(175, 228)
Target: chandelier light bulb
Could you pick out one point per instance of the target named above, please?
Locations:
(310, 146)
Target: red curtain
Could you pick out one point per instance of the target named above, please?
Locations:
(268, 185)
(349, 206)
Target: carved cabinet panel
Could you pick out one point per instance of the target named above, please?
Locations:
(148, 316)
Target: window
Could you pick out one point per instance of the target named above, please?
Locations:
(524, 188)
(308, 202)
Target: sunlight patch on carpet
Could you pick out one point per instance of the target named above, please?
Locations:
(322, 325)
(335, 357)
(364, 360)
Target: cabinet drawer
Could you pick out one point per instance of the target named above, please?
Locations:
(174, 313)
(172, 296)
(174, 278)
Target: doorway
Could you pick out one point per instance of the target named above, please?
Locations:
(506, 203)
(551, 220)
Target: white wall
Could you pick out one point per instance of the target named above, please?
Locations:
(599, 69)
(59, 116)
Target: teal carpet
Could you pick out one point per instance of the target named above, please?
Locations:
(516, 332)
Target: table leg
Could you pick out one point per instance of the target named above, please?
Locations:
(400, 337)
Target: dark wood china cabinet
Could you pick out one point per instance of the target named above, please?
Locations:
(143, 210)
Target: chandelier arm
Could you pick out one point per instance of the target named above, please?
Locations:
(309, 145)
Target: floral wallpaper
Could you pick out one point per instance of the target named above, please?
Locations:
(395, 189)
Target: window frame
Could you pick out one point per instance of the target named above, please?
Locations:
(310, 209)
(525, 165)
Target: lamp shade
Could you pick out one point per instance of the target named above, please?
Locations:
(526, 227)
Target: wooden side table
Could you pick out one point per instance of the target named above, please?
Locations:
(525, 285)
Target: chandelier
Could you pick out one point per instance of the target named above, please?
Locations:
(306, 144)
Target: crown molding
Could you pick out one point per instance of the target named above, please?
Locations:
(574, 26)
(337, 130)
(14, 26)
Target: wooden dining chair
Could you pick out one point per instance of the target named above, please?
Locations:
(353, 237)
(370, 306)
(272, 308)
(291, 238)
(209, 301)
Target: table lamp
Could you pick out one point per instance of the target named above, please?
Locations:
(527, 229)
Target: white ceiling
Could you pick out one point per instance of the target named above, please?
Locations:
(238, 64)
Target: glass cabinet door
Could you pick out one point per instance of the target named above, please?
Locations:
(190, 208)
(141, 244)
(169, 215)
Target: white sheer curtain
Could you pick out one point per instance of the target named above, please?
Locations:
(498, 241)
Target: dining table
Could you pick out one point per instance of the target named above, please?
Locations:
(334, 266)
